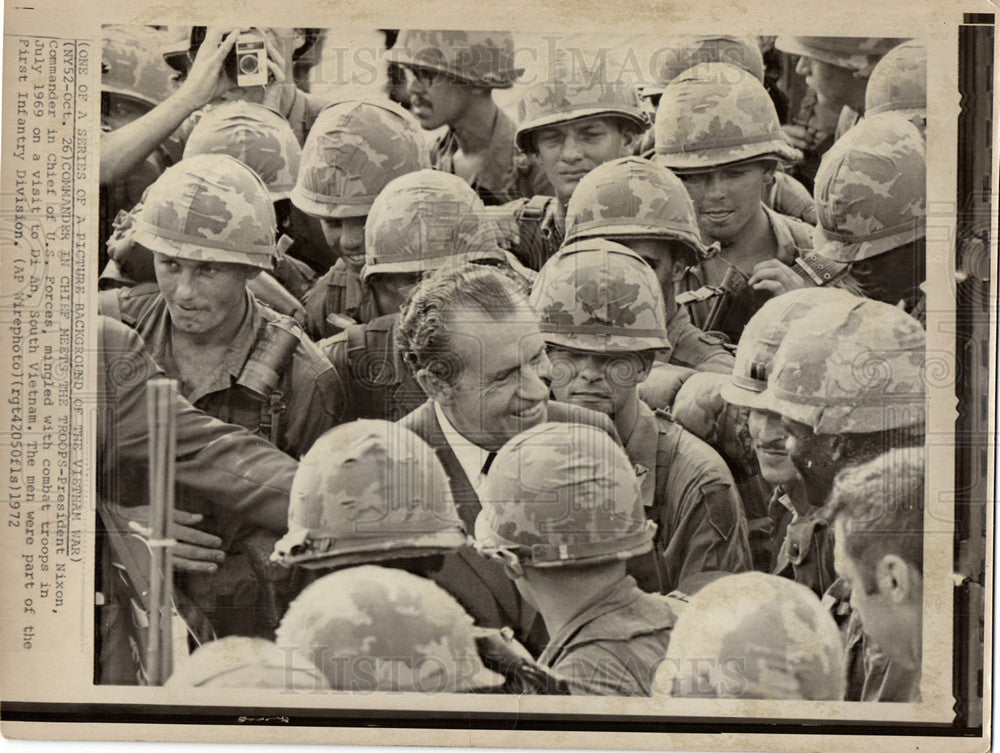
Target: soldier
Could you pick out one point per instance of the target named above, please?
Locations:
(376, 629)
(237, 471)
(797, 533)
(645, 207)
(725, 177)
(210, 225)
(353, 151)
(571, 122)
(562, 510)
(878, 516)
(473, 343)
(450, 78)
(238, 662)
(753, 636)
(785, 195)
(848, 381)
(878, 234)
(837, 69)
(602, 316)
(263, 141)
(898, 83)
(205, 83)
(419, 222)
(373, 492)
(134, 80)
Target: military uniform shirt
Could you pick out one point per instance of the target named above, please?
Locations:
(341, 292)
(691, 496)
(614, 645)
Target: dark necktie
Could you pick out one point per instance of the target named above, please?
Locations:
(489, 462)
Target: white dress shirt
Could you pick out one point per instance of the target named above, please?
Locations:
(471, 457)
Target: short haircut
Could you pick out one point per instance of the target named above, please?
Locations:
(421, 332)
(881, 507)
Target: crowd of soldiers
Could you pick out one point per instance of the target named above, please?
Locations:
(619, 394)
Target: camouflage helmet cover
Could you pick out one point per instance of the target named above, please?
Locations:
(600, 296)
(367, 491)
(850, 367)
(424, 220)
(637, 198)
(571, 92)
(131, 65)
(371, 628)
(562, 494)
(254, 134)
(716, 114)
(210, 207)
(785, 642)
(859, 54)
(352, 151)
(763, 334)
(899, 81)
(870, 190)
(483, 58)
(680, 54)
(242, 662)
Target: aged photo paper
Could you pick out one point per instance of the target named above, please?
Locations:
(52, 247)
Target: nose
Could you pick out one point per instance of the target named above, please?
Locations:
(571, 149)
(802, 67)
(352, 236)
(714, 185)
(413, 85)
(534, 383)
(590, 370)
(184, 284)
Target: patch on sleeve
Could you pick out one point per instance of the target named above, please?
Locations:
(719, 508)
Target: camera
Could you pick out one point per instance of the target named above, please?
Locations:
(246, 63)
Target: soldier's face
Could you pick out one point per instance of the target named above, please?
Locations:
(346, 238)
(769, 439)
(665, 257)
(834, 86)
(727, 198)
(603, 382)
(202, 297)
(890, 614)
(435, 98)
(392, 290)
(503, 387)
(568, 151)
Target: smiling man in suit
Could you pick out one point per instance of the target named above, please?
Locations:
(475, 348)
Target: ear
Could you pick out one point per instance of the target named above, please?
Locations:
(677, 270)
(895, 578)
(646, 360)
(769, 172)
(630, 139)
(434, 387)
(251, 272)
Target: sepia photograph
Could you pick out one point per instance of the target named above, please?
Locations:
(608, 385)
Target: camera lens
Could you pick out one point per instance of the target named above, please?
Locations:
(248, 64)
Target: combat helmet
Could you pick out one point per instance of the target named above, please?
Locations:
(481, 58)
(859, 54)
(762, 336)
(424, 220)
(562, 494)
(373, 628)
(679, 54)
(599, 295)
(570, 93)
(870, 190)
(716, 114)
(254, 134)
(368, 491)
(899, 83)
(242, 662)
(132, 67)
(754, 636)
(352, 151)
(634, 197)
(850, 367)
(210, 207)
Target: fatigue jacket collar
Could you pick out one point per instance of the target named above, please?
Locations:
(232, 363)
(498, 162)
(640, 446)
(787, 249)
(618, 595)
